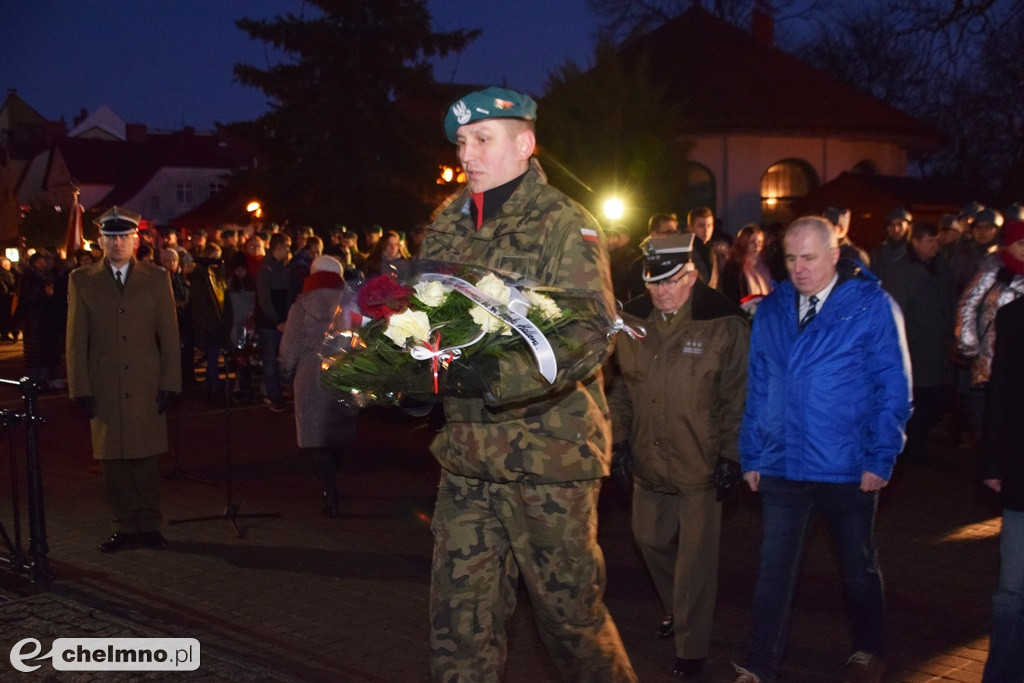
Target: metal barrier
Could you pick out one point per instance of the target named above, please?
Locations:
(34, 562)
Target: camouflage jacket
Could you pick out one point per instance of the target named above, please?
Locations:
(545, 433)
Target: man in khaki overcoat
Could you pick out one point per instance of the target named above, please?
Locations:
(123, 365)
(677, 408)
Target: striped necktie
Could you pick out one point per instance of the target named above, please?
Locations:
(811, 312)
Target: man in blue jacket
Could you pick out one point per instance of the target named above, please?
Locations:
(828, 398)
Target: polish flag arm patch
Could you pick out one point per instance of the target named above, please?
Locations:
(589, 235)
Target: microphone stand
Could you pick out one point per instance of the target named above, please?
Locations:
(177, 471)
(231, 508)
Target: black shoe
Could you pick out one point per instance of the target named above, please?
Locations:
(667, 628)
(331, 508)
(119, 540)
(152, 539)
(688, 668)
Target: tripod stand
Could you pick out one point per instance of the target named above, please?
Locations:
(230, 513)
(177, 471)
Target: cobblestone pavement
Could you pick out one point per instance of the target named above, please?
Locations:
(304, 597)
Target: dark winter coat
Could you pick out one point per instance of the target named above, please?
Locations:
(926, 294)
(1003, 456)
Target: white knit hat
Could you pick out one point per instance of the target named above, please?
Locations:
(327, 263)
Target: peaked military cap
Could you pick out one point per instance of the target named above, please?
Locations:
(665, 256)
(118, 221)
(492, 103)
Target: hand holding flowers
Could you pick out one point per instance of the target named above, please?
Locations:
(446, 313)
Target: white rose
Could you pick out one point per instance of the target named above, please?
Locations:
(431, 293)
(491, 284)
(413, 324)
(487, 322)
(548, 308)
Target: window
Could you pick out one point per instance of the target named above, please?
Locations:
(784, 182)
(184, 194)
(216, 187)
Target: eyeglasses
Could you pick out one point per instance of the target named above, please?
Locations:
(664, 283)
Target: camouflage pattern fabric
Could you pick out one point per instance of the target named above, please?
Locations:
(520, 479)
(547, 434)
(485, 535)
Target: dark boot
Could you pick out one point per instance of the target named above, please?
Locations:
(325, 462)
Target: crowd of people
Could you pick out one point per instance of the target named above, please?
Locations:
(944, 284)
(786, 358)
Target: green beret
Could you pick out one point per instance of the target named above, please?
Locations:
(492, 103)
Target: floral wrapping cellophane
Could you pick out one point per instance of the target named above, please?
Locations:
(429, 329)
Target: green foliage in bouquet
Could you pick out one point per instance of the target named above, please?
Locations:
(415, 333)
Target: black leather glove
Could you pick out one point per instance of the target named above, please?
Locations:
(88, 405)
(725, 477)
(415, 407)
(466, 380)
(163, 398)
(622, 468)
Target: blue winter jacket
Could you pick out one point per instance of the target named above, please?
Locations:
(832, 401)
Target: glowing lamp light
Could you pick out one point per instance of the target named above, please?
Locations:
(13, 254)
(614, 209)
(771, 201)
(448, 174)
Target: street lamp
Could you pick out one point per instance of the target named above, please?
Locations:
(614, 209)
(254, 208)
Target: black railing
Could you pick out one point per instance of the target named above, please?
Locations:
(33, 562)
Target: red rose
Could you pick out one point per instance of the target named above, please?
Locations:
(382, 297)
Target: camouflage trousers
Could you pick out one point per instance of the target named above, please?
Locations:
(485, 536)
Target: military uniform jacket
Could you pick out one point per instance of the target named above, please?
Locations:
(122, 348)
(679, 398)
(547, 433)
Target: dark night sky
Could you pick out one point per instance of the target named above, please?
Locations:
(168, 63)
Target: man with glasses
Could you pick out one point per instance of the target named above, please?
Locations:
(677, 410)
(123, 365)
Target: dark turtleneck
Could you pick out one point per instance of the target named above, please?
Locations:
(487, 204)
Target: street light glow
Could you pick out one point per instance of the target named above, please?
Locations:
(614, 208)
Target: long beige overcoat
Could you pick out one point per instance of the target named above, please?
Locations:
(122, 349)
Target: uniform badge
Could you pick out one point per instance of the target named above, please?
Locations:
(693, 347)
(461, 111)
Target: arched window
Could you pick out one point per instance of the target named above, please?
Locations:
(698, 188)
(784, 182)
(865, 167)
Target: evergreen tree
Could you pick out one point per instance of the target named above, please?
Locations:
(343, 142)
(609, 131)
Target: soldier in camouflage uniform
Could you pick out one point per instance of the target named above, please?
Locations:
(520, 472)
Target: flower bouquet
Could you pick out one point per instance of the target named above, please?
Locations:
(436, 329)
